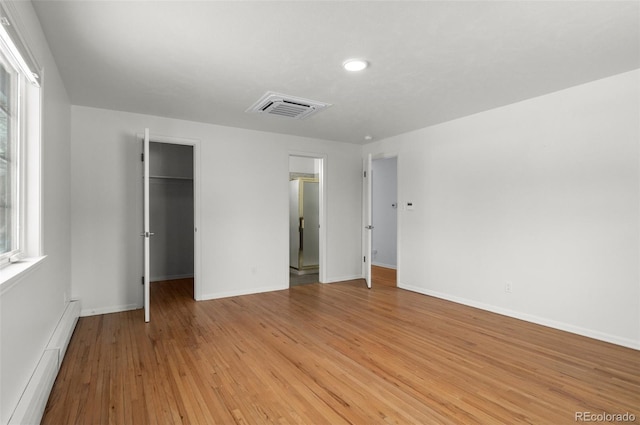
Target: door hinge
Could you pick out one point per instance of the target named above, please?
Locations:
(365, 174)
(142, 283)
(142, 157)
(364, 259)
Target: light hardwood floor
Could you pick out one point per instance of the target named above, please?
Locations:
(383, 276)
(333, 354)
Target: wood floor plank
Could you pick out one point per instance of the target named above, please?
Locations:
(383, 276)
(333, 354)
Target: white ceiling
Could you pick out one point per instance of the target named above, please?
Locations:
(431, 61)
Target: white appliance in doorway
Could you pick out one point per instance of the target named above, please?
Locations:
(304, 208)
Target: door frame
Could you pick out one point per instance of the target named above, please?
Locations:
(197, 242)
(367, 210)
(322, 237)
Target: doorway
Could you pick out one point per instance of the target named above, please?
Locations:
(305, 216)
(170, 214)
(171, 203)
(384, 207)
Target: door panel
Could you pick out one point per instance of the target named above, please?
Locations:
(311, 217)
(294, 231)
(368, 227)
(146, 232)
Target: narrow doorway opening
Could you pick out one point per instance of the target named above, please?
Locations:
(305, 212)
(171, 215)
(384, 212)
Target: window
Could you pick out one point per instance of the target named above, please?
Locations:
(19, 146)
(9, 159)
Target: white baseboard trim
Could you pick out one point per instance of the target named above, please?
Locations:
(31, 406)
(62, 335)
(34, 399)
(107, 310)
(171, 277)
(343, 278)
(227, 294)
(613, 339)
(386, 266)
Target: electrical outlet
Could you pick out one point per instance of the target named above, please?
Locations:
(508, 287)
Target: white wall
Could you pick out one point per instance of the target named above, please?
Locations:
(244, 211)
(384, 179)
(30, 309)
(300, 164)
(544, 194)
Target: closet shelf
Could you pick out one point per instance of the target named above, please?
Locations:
(171, 178)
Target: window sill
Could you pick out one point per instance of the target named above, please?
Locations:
(11, 274)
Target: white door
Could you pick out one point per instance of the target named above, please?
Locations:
(368, 227)
(146, 233)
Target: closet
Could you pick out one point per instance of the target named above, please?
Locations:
(171, 203)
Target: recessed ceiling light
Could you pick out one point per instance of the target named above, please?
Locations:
(355, 65)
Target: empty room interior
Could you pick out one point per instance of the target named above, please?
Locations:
(319, 212)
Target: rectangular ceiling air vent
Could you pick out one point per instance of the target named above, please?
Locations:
(286, 106)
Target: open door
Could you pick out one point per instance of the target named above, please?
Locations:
(368, 227)
(146, 233)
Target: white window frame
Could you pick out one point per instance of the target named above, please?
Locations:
(14, 165)
(13, 158)
(26, 228)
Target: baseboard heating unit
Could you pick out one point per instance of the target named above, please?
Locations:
(33, 401)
